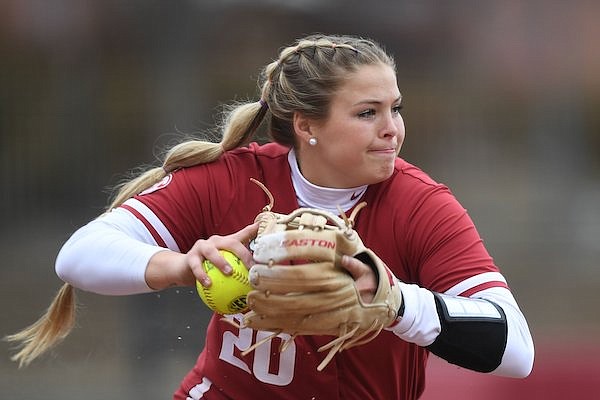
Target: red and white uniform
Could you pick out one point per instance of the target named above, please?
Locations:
(415, 225)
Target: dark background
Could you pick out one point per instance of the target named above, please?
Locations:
(501, 103)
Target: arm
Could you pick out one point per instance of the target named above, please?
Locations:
(108, 256)
(439, 253)
(460, 307)
(489, 335)
(116, 255)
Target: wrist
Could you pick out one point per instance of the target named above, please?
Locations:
(400, 313)
(400, 301)
(164, 270)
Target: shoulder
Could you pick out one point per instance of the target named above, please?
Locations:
(411, 175)
(422, 194)
(409, 184)
(411, 195)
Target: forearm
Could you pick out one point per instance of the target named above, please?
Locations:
(511, 355)
(167, 269)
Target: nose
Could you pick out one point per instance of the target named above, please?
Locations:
(392, 125)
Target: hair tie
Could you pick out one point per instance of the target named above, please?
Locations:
(263, 104)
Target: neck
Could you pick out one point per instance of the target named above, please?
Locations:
(324, 198)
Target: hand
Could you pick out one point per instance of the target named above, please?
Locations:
(364, 277)
(208, 249)
(168, 268)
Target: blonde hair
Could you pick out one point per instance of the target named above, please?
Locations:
(302, 80)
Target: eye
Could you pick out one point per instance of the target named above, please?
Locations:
(367, 113)
(397, 109)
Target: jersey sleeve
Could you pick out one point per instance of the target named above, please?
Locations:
(185, 206)
(445, 246)
(193, 203)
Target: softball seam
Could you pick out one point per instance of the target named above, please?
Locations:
(240, 277)
(209, 299)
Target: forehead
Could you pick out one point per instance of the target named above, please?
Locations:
(369, 83)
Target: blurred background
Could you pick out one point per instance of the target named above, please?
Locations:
(501, 103)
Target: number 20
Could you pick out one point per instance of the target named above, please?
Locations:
(262, 355)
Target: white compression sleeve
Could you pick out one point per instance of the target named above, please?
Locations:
(108, 256)
(420, 323)
(517, 360)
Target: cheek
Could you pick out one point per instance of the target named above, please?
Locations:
(401, 135)
(400, 141)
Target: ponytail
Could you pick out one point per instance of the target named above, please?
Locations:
(51, 328)
(241, 123)
(56, 323)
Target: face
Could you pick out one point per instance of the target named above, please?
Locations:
(358, 142)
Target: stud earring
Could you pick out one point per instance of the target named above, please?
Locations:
(312, 141)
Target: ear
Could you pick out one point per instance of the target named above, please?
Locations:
(303, 127)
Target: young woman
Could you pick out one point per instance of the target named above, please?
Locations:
(333, 110)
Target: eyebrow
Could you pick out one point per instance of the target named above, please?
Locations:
(368, 101)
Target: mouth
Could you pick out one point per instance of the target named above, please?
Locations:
(384, 150)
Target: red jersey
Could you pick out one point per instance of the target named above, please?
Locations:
(415, 225)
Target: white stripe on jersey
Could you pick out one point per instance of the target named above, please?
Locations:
(473, 281)
(156, 223)
(197, 392)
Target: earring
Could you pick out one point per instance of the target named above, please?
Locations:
(312, 141)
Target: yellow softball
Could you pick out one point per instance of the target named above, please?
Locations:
(227, 294)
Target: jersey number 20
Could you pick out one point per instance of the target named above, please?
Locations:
(261, 366)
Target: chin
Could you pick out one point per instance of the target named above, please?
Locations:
(385, 173)
(379, 177)
(373, 174)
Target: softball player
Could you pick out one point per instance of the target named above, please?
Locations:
(332, 106)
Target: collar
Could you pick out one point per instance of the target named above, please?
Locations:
(324, 198)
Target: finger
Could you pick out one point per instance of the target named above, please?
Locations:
(195, 265)
(247, 233)
(242, 253)
(364, 277)
(209, 250)
(213, 255)
(354, 266)
(240, 242)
